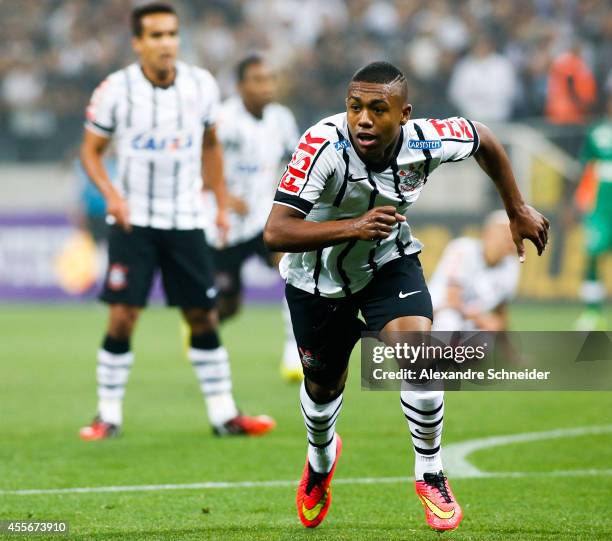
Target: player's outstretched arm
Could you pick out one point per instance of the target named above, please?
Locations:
(92, 152)
(287, 231)
(525, 221)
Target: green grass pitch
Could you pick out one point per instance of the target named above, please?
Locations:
(47, 391)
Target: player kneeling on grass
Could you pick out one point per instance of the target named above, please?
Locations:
(340, 213)
(475, 279)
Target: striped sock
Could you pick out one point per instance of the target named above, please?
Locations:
(425, 412)
(112, 375)
(320, 421)
(212, 369)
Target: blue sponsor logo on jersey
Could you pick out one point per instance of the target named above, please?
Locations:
(247, 168)
(425, 144)
(342, 144)
(173, 142)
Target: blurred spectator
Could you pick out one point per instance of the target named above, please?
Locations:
(572, 91)
(483, 85)
(54, 52)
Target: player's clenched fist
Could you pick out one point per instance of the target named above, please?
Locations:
(377, 223)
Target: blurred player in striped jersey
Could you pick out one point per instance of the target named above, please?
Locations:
(256, 134)
(594, 199)
(340, 213)
(161, 114)
(475, 279)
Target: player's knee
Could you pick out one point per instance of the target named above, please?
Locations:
(228, 306)
(201, 321)
(122, 321)
(321, 394)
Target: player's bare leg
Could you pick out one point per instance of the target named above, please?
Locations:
(321, 405)
(211, 363)
(424, 411)
(228, 306)
(114, 362)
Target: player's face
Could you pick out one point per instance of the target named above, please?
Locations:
(159, 43)
(259, 85)
(375, 114)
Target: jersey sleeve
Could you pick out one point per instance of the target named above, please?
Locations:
(458, 138)
(225, 126)
(100, 115)
(211, 109)
(305, 176)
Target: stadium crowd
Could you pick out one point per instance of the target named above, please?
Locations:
(493, 61)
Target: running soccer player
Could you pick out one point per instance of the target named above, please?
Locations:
(162, 115)
(475, 279)
(340, 213)
(594, 199)
(256, 134)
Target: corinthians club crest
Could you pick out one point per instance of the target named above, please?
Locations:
(411, 177)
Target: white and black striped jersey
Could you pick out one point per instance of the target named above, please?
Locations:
(253, 150)
(158, 134)
(326, 180)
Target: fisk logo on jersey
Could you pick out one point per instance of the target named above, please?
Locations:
(452, 127)
(171, 142)
(300, 163)
(425, 144)
(342, 144)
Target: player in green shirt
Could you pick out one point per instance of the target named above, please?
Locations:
(594, 199)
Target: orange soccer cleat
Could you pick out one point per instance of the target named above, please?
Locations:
(314, 492)
(245, 425)
(442, 512)
(99, 430)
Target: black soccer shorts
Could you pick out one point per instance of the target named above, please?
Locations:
(182, 256)
(228, 263)
(326, 329)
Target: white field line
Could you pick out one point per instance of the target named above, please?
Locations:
(455, 460)
(455, 454)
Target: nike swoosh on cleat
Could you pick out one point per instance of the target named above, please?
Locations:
(403, 295)
(311, 514)
(436, 510)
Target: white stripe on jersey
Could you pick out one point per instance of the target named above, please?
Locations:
(158, 133)
(326, 180)
(252, 152)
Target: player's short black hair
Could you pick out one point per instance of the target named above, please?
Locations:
(252, 59)
(382, 73)
(148, 9)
